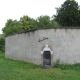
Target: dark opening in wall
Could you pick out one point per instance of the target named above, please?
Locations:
(47, 58)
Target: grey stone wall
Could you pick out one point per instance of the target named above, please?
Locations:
(65, 44)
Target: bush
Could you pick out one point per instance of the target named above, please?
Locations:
(65, 66)
(2, 44)
(57, 64)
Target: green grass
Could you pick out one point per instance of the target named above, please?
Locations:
(18, 70)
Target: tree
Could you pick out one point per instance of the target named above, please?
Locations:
(54, 23)
(28, 23)
(68, 14)
(25, 21)
(34, 24)
(12, 27)
(43, 21)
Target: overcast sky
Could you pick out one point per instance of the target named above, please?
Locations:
(14, 9)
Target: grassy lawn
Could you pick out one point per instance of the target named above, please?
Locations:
(17, 70)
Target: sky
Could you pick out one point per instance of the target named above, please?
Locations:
(14, 9)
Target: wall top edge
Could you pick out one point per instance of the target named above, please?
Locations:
(27, 31)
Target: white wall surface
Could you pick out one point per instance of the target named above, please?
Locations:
(65, 44)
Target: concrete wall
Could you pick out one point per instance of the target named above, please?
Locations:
(65, 44)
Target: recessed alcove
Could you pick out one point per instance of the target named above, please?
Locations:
(46, 56)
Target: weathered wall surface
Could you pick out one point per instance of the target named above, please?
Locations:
(27, 46)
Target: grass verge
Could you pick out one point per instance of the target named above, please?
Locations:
(18, 70)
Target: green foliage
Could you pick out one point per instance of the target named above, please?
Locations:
(2, 44)
(34, 24)
(54, 23)
(46, 22)
(26, 23)
(68, 14)
(57, 64)
(43, 22)
(12, 27)
(64, 66)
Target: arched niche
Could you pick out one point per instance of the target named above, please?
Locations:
(46, 56)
